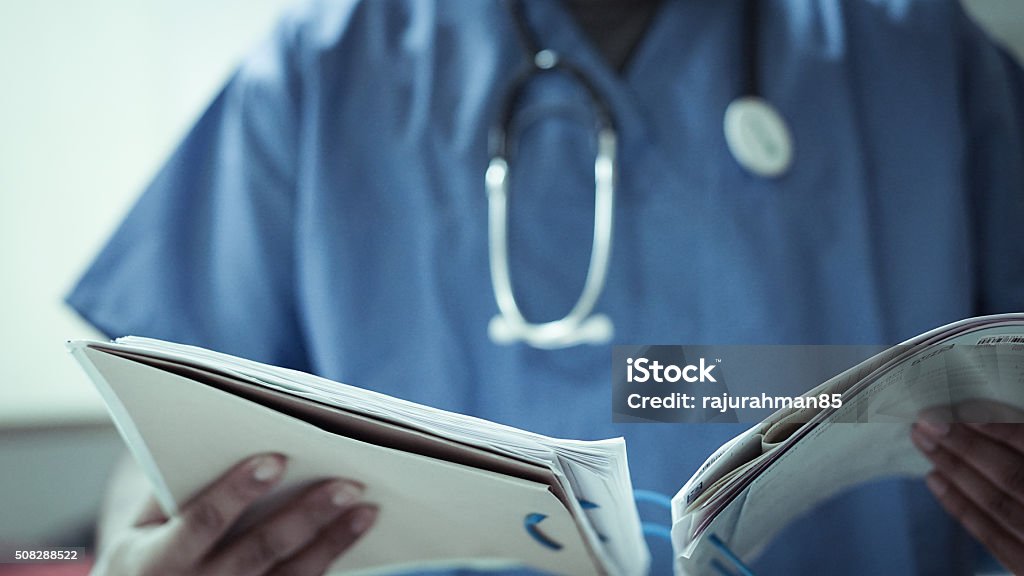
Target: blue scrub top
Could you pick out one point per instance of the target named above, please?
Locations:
(328, 213)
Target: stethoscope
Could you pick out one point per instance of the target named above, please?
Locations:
(755, 133)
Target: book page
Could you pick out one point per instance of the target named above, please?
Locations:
(432, 512)
(867, 438)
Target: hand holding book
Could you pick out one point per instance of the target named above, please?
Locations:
(978, 476)
(303, 536)
(457, 490)
(969, 371)
(454, 490)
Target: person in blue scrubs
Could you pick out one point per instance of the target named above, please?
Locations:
(327, 213)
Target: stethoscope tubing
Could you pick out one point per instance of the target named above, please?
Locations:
(578, 325)
(748, 114)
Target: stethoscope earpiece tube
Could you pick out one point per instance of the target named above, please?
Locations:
(579, 326)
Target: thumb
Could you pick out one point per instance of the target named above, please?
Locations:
(150, 514)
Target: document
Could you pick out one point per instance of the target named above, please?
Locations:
(755, 484)
(454, 490)
(458, 491)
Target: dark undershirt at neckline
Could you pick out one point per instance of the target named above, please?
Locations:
(614, 27)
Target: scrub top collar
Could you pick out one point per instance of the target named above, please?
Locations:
(555, 29)
(674, 45)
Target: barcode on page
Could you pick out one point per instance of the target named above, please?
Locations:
(1001, 340)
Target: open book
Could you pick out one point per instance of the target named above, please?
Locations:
(755, 484)
(454, 490)
(461, 491)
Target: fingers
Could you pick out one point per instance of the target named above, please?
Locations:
(982, 525)
(150, 514)
(304, 536)
(980, 481)
(965, 449)
(289, 530)
(1011, 435)
(969, 482)
(331, 542)
(205, 519)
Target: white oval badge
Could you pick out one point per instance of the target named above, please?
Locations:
(758, 137)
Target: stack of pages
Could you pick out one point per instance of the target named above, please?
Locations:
(453, 490)
(755, 484)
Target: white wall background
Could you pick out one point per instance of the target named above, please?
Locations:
(93, 96)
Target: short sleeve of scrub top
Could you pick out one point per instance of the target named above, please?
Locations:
(205, 256)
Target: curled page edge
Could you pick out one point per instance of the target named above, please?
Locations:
(126, 428)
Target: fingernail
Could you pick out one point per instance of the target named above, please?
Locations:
(344, 493)
(267, 468)
(934, 429)
(362, 519)
(922, 440)
(937, 485)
